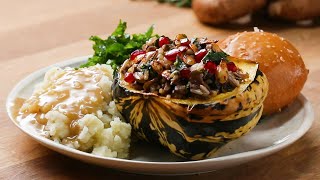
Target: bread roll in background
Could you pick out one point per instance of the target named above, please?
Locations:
(223, 11)
(277, 58)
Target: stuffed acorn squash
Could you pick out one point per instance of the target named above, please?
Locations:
(188, 95)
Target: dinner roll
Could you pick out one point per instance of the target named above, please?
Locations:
(277, 58)
(223, 11)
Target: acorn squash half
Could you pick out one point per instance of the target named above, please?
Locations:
(193, 128)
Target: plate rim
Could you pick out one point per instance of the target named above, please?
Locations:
(305, 126)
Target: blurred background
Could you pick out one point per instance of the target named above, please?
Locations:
(42, 25)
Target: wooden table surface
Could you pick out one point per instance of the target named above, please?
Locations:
(38, 33)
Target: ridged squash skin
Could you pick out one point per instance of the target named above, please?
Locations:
(193, 129)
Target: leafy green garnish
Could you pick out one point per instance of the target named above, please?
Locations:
(117, 47)
(215, 56)
(147, 67)
(179, 64)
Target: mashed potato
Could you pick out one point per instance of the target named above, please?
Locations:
(75, 108)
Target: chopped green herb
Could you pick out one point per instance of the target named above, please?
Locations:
(214, 56)
(179, 64)
(117, 47)
(195, 41)
(147, 67)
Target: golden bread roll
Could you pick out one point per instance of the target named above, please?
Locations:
(295, 10)
(277, 58)
(223, 11)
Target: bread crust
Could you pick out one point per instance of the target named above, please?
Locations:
(295, 10)
(222, 11)
(277, 58)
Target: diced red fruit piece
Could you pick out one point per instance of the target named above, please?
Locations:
(183, 48)
(232, 67)
(211, 67)
(185, 73)
(184, 42)
(136, 53)
(200, 54)
(172, 54)
(129, 78)
(163, 40)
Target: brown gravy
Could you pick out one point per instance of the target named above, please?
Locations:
(74, 93)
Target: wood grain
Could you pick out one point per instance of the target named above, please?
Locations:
(36, 34)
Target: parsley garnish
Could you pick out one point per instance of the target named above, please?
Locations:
(215, 57)
(179, 64)
(117, 47)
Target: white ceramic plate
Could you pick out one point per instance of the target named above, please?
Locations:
(271, 134)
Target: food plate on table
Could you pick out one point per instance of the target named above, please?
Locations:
(272, 134)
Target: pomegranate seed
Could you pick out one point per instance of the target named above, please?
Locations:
(183, 48)
(211, 67)
(200, 54)
(172, 54)
(232, 67)
(185, 73)
(184, 42)
(129, 78)
(163, 40)
(136, 53)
